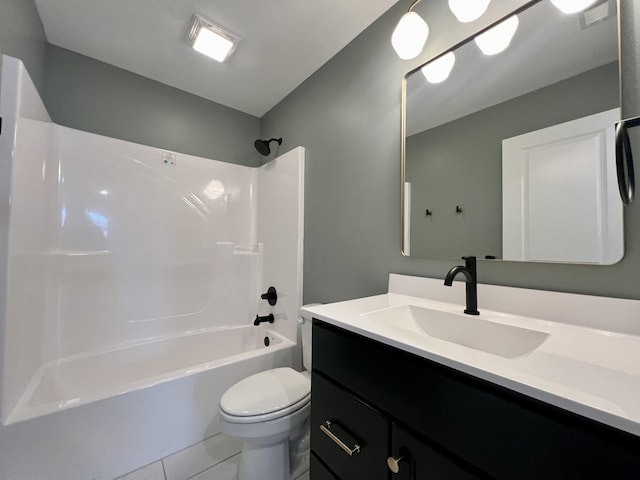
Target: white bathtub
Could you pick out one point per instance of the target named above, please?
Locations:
(81, 379)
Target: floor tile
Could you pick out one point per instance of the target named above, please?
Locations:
(201, 456)
(227, 470)
(150, 472)
(300, 464)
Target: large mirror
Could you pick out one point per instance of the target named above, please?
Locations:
(511, 157)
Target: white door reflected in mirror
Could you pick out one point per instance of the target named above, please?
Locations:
(560, 197)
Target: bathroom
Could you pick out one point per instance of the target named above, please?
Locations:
(347, 116)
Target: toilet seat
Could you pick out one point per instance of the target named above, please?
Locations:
(266, 396)
(267, 416)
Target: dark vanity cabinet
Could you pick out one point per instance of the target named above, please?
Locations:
(373, 403)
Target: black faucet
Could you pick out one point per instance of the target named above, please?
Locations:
(469, 272)
(267, 318)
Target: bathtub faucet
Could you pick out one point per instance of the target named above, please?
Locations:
(267, 318)
(271, 296)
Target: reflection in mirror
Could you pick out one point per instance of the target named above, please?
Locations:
(511, 156)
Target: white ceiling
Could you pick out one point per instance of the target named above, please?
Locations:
(283, 41)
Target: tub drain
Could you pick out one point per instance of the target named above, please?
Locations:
(266, 341)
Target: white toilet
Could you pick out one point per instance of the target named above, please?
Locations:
(269, 412)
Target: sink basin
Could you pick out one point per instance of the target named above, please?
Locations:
(469, 331)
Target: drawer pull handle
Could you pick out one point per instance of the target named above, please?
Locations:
(325, 427)
(394, 463)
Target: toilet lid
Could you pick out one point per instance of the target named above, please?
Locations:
(265, 392)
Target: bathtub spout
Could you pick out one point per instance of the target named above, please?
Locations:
(267, 318)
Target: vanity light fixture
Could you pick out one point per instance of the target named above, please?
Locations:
(410, 34)
(468, 10)
(210, 39)
(498, 38)
(439, 69)
(572, 6)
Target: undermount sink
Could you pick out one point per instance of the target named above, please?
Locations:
(507, 341)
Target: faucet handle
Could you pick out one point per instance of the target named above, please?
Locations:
(270, 296)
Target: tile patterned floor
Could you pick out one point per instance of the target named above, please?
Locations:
(216, 458)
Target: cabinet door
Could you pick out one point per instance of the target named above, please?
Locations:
(353, 424)
(419, 460)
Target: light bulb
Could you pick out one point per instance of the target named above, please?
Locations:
(439, 70)
(212, 45)
(498, 38)
(409, 36)
(210, 39)
(572, 6)
(468, 10)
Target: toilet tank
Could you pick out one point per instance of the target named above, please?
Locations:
(305, 333)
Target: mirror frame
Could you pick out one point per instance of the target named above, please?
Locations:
(403, 139)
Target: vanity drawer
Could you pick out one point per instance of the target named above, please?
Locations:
(353, 423)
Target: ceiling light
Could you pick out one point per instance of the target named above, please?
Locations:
(210, 39)
(498, 38)
(438, 70)
(572, 6)
(410, 35)
(468, 10)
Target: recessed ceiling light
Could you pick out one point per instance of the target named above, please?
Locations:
(210, 39)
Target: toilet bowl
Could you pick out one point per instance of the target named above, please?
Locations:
(269, 413)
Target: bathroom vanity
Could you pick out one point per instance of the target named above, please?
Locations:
(439, 409)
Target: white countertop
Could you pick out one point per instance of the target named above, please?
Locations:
(590, 371)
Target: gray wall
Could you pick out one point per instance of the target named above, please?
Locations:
(90, 95)
(22, 36)
(445, 171)
(348, 116)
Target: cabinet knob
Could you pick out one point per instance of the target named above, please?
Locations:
(394, 463)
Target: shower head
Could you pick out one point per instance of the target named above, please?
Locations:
(263, 145)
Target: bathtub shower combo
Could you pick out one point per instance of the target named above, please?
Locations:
(125, 266)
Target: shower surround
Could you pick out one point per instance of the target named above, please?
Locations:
(131, 278)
